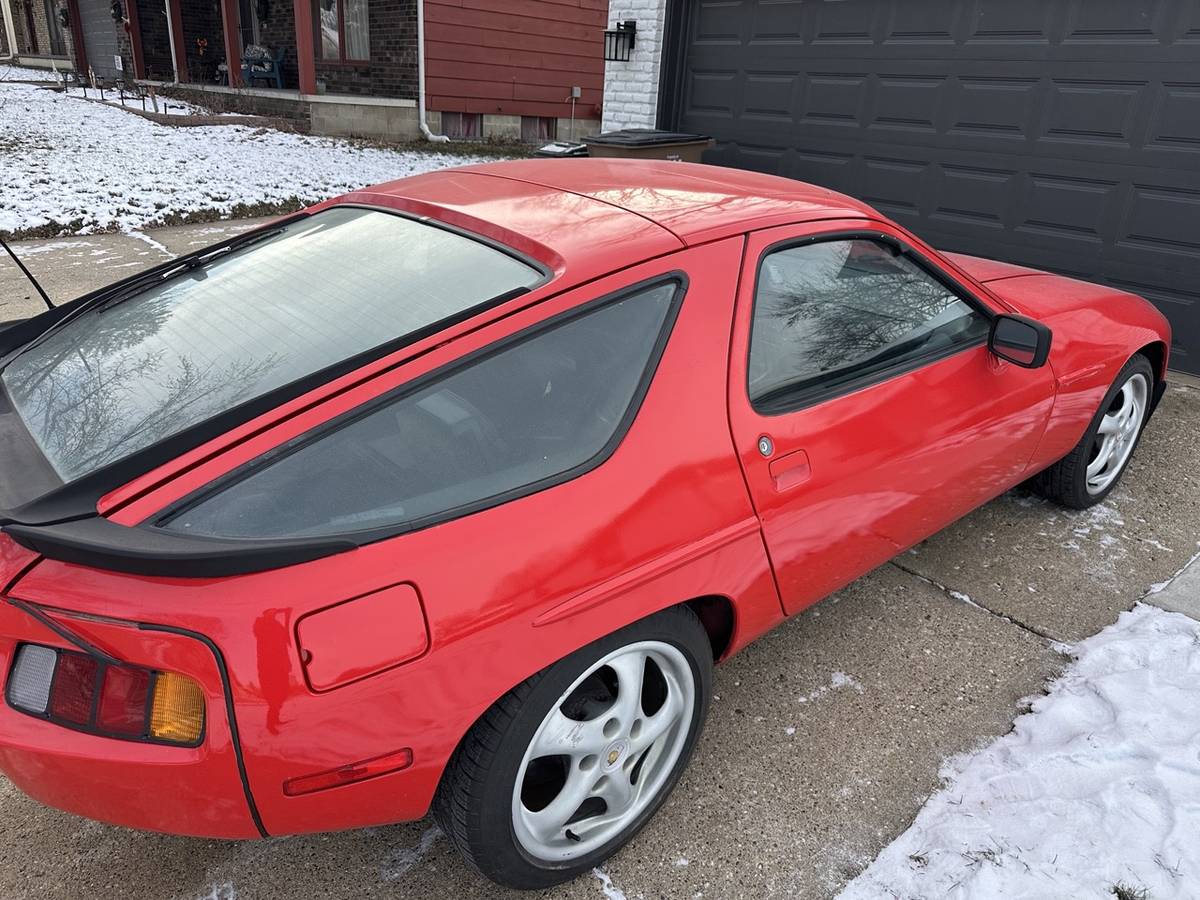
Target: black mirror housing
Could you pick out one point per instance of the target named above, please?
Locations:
(1019, 340)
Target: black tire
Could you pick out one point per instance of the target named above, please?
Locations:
(1065, 482)
(473, 805)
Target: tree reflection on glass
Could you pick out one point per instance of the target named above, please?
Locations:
(845, 306)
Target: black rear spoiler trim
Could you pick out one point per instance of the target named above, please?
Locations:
(104, 544)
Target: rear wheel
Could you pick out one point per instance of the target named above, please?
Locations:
(568, 766)
(1090, 472)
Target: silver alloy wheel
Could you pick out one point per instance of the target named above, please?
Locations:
(600, 757)
(1117, 434)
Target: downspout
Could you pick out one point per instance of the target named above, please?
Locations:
(429, 135)
(170, 40)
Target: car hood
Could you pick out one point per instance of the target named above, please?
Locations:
(1043, 295)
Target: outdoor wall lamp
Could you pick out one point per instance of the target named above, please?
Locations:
(618, 43)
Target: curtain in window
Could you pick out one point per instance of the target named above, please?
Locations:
(327, 20)
(358, 37)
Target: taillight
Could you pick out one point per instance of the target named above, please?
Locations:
(88, 694)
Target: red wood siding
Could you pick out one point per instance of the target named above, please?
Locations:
(521, 61)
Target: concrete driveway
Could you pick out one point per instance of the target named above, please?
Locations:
(825, 737)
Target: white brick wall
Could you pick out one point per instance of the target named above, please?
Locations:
(631, 88)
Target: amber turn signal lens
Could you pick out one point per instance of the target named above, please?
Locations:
(177, 712)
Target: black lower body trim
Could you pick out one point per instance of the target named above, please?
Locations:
(227, 689)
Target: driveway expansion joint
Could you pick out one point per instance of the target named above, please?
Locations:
(958, 596)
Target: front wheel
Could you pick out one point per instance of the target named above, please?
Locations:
(568, 766)
(1089, 473)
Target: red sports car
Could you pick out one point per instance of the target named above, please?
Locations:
(449, 493)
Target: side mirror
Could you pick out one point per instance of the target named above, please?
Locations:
(1021, 341)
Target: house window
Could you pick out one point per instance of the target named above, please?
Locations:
(58, 45)
(536, 129)
(343, 33)
(462, 125)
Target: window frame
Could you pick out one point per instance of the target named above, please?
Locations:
(161, 520)
(341, 59)
(802, 398)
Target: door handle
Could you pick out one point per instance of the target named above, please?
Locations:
(790, 470)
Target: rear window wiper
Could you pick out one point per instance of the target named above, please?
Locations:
(186, 264)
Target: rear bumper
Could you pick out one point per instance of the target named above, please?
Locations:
(179, 790)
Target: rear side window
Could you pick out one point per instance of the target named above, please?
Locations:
(533, 411)
(832, 314)
(324, 289)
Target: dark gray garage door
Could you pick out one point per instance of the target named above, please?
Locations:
(99, 37)
(1063, 134)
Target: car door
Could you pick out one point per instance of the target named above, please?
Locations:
(864, 404)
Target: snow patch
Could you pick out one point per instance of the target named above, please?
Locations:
(837, 681)
(151, 241)
(225, 890)
(611, 891)
(402, 861)
(91, 167)
(1099, 784)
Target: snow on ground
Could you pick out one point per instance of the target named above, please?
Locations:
(24, 73)
(1098, 786)
(91, 167)
(167, 106)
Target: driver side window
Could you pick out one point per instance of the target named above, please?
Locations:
(834, 314)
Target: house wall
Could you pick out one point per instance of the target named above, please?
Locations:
(631, 88)
(5, 50)
(392, 70)
(520, 58)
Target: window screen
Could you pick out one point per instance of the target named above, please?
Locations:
(832, 312)
(328, 287)
(508, 423)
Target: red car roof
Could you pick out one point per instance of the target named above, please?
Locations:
(573, 213)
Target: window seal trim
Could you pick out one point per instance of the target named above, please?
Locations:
(815, 394)
(77, 499)
(148, 549)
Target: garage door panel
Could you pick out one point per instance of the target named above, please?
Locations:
(1175, 124)
(1010, 22)
(1063, 135)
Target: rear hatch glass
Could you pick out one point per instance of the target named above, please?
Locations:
(321, 290)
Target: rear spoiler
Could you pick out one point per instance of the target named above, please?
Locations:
(103, 544)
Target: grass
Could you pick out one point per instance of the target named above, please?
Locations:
(1123, 891)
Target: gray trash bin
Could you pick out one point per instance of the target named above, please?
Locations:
(649, 143)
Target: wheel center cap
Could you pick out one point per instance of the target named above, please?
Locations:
(614, 754)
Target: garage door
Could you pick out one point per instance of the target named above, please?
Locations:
(1063, 135)
(99, 37)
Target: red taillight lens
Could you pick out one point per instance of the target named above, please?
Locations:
(108, 699)
(74, 688)
(123, 700)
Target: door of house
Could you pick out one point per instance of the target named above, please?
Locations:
(100, 37)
